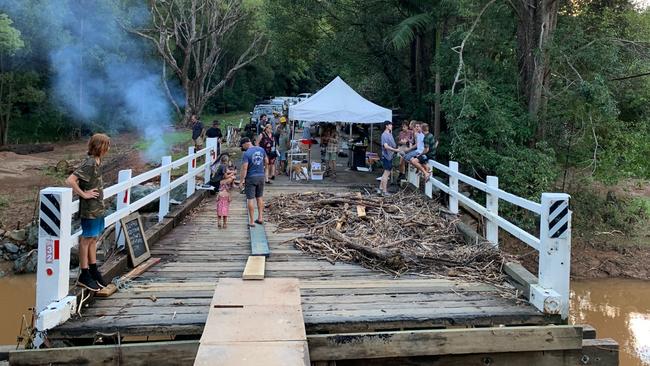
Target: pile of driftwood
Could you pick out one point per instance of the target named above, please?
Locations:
(398, 234)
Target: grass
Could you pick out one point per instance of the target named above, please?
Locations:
(227, 119)
(184, 137)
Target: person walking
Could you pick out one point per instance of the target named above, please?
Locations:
(283, 134)
(388, 150)
(86, 182)
(198, 132)
(254, 162)
(267, 142)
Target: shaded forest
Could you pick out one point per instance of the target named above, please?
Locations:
(549, 95)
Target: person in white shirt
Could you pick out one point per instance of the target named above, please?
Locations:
(417, 150)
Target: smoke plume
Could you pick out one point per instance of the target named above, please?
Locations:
(102, 75)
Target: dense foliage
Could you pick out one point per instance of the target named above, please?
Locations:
(591, 123)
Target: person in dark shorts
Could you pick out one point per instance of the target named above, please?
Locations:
(198, 132)
(87, 183)
(215, 132)
(253, 166)
(388, 150)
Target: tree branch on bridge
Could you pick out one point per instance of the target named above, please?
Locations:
(190, 37)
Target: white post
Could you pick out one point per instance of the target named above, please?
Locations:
(428, 186)
(54, 244)
(53, 306)
(453, 187)
(210, 157)
(554, 254)
(165, 180)
(122, 200)
(191, 165)
(492, 206)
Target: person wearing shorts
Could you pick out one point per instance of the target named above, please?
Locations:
(418, 149)
(86, 182)
(253, 167)
(388, 150)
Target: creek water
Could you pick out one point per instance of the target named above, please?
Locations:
(17, 295)
(617, 308)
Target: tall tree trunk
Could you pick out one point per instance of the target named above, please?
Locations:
(436, 102)
(535, 27)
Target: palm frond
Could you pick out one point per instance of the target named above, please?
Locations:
(405, 31)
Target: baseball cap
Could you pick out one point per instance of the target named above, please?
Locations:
(243, 141)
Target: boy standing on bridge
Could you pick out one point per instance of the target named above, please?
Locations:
(253, 175)
(87, 182)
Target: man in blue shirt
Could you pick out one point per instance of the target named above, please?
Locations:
(253, 166)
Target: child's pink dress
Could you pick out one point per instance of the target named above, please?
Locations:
(223, 199)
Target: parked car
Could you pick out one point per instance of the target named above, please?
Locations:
(259, 110)
(303, 96)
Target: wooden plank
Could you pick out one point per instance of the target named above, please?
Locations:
(254, 323)
(254, 354)
(254, 269)
(361, 211)
(139, 270)
(259, 244)
(600, 352)
(443, 342)
(520, 277)
(588, 332)
(149, 353)
(107, 291)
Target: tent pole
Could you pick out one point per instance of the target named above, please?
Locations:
(371, 128)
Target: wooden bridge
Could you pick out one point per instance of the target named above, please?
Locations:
(350, 315)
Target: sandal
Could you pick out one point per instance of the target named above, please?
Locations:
(259, 222)
(251, 225)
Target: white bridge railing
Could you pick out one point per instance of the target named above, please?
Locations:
(55, 236)
(551, 293)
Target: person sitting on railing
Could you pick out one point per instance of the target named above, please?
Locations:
(417, 150)
(86, 182)
(405, 140)
(430, 145)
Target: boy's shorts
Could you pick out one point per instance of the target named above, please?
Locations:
(92, 228)
(386, 164)
(254, 187)
(282, 155)
(411, 155)
(331, 156)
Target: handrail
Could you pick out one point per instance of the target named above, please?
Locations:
(551, 294)
(56, 238)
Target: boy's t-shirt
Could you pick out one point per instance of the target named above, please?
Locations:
(419, 142)
(89, 174)
(254, 156)
(430, 142)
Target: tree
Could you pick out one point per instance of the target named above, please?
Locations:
(189, 35)
(537, 20)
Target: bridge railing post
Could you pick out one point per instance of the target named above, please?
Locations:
(492, 206)
(551, 293)
(453, 187)
(53, 305)
(165, 181)
(122, 200)
(210, 157)
(191, 165)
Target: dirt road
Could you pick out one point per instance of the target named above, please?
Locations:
(23, 176)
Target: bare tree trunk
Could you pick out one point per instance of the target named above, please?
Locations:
(436, 102)
(535, 27)
(168, 93)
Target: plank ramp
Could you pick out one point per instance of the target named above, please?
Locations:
(254, 323)
(254, 269)
(259, 244)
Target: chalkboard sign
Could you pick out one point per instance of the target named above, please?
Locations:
(136, 241)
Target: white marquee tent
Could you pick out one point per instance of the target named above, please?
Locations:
(338, 102)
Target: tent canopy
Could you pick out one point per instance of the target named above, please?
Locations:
(338, 102)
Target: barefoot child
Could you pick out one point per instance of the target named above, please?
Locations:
(223, 197)
(87, 183)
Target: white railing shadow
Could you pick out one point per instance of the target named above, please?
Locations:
(551, 293)
(55, 237)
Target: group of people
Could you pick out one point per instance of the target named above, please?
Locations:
(415, 145)
(274, 136)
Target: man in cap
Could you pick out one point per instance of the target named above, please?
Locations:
(253, 166)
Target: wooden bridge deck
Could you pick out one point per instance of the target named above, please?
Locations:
(172, 298)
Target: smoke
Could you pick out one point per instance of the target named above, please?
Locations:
(102, 75)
